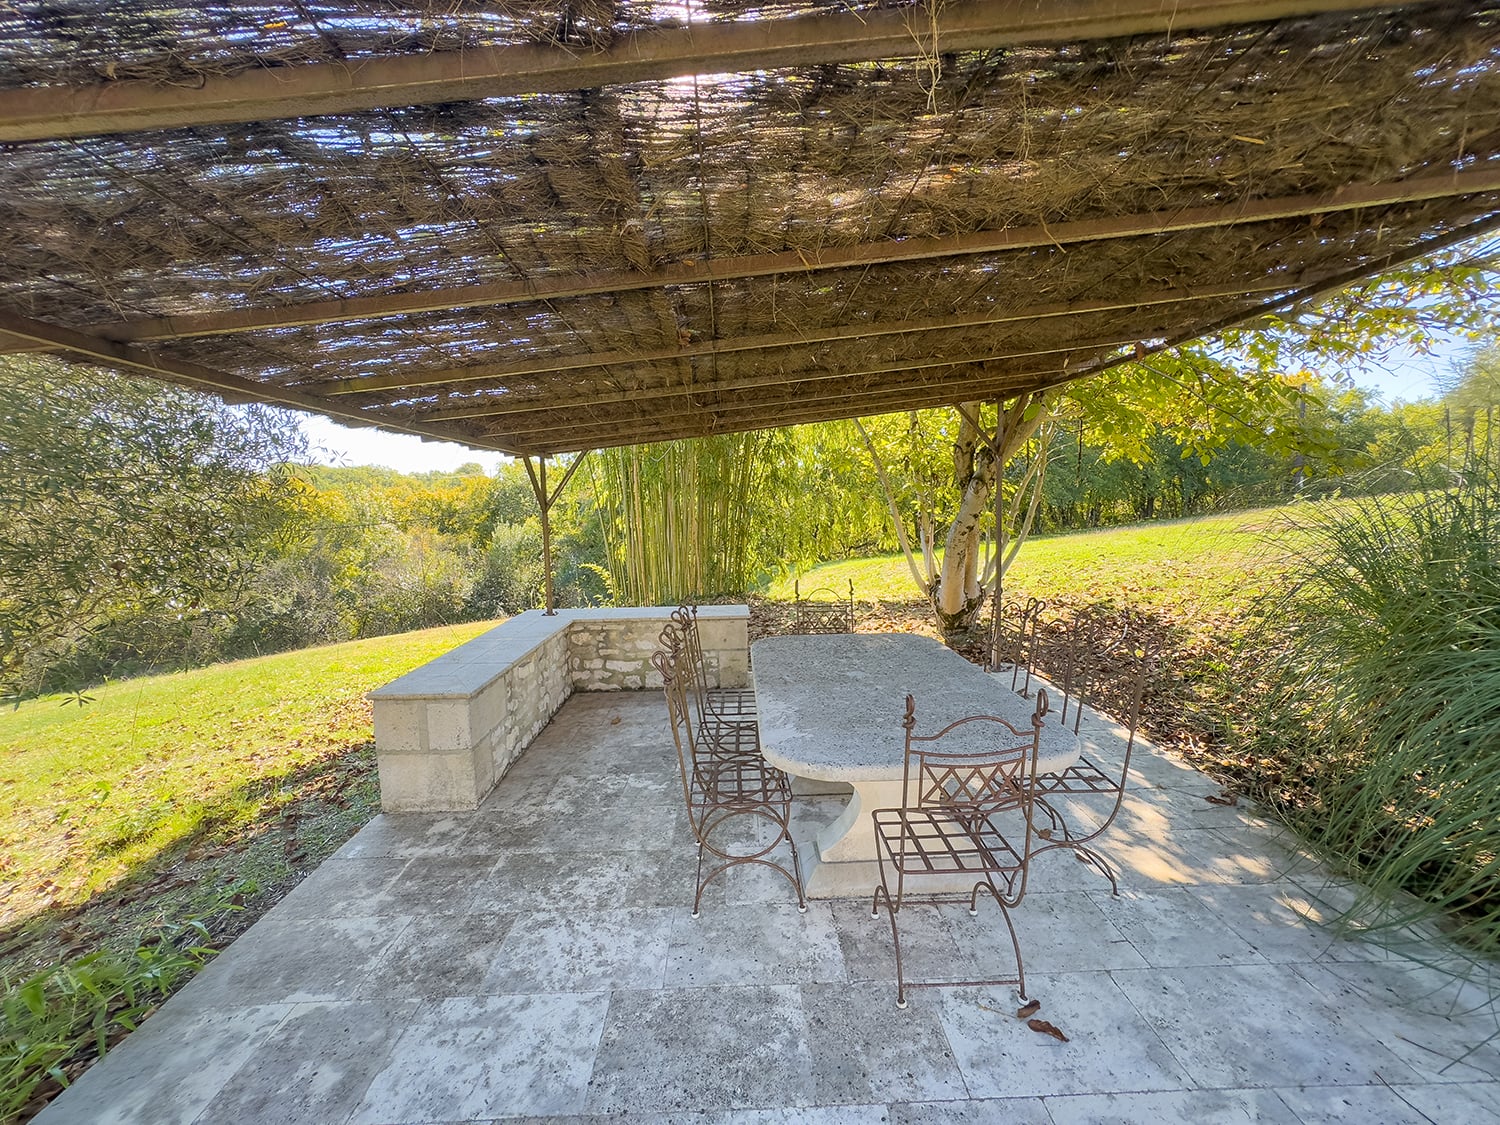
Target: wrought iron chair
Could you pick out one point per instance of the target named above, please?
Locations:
(723, 785)
(949, 825)
(1020, 632)
(726, 715)
(1095, 785)
(815, 613)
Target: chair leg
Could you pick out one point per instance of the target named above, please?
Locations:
(891, 908)
(1015, 942)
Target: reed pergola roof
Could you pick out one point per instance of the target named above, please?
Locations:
(541, 226)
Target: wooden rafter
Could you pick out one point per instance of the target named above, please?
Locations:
(41, 113)
(1349, 198)
(232, 388)
(796, 395)
(804, 411)
(662, 397)
(498, 372)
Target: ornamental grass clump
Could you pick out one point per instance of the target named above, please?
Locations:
(1374, 704)
(56, 1022)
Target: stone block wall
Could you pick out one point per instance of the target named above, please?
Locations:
(445, 733)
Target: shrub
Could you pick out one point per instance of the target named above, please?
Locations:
(1375, 688)
(60, 1019)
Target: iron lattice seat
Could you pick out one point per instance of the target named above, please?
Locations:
(816, 613)
(949, 825)
(728, 714)
(1097, 786)
(726, 783)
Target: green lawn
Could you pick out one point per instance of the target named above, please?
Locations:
(1193, 570)
(156, 769)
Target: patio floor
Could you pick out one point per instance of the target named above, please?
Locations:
(537, 959)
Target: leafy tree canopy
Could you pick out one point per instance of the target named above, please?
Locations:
(125, 496)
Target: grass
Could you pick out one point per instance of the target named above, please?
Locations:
(1200, 572)
(157, 781)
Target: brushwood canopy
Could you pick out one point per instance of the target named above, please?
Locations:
(540, 227)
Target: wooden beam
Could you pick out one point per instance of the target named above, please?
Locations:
(233, 388)
(552, 404)
(768, 341)
(799, 393)
(608, 434)
(267, 93)
(1352, 197)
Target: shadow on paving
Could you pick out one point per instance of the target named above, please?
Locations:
(538, 959)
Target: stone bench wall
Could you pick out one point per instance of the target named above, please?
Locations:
(445, 733)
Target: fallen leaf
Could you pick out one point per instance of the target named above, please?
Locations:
(615, 721)
(1222, 799)
(1047, 1029)
(1029, 1009)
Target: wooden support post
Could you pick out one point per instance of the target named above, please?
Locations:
(544, 502)
(999, 537)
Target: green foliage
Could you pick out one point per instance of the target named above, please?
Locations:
(681, 519)
(125, 500)
(1377, 687)
(78, 1009)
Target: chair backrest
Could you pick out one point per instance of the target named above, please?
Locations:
(973, 783)
(695, 680)
(823, 610)
(1019, 626)
(672, 663)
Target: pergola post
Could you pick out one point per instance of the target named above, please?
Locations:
(999, 536)
(544, 502)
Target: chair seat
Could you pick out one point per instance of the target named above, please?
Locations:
(741, 782)
(1083, 777)
(935, 841)
(732, 702)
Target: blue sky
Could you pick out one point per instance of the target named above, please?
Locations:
(1402, 375)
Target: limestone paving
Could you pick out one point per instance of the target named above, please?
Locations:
(535, 960)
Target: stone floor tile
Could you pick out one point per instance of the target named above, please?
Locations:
(168, 1070)
(756, 944)
(980, 1111)
(927, 946)
(294, 960)
(1173, 926)
(1170, 806)
(1059, 932)
(583, 951)
(314, 1068)
(1152, 768)
(751, 883)
(1420, 1013)
(1455, 1104)
(1280, 921)
(1152, 856)
(1111, 1047)
(1241, 1026)
(505, 929)
(405, 835)
(1337, 1105)
(676, 1049)
(865, 1049)
(344, 888)
(536, 879)
(438, 884)
(1173, 1107)
(488, 1056)
(800, 1115)
(436, 957)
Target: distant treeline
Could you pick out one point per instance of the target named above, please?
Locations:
(149, 527)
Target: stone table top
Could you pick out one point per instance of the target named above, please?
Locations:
(831, 706)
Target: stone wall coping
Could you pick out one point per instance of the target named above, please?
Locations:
(476, 664)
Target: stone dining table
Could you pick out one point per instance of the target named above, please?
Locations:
(831, 707)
